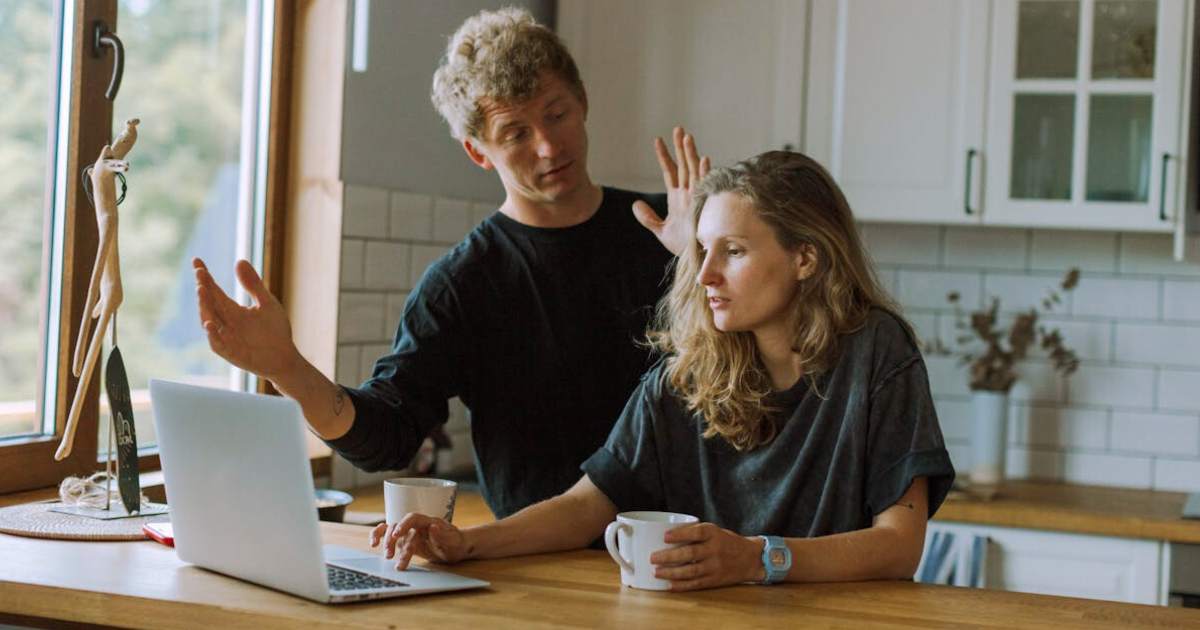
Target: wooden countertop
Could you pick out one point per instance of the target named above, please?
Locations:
(143, 584)
(1100, 510)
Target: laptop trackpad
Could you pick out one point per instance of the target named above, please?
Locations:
(373, 563)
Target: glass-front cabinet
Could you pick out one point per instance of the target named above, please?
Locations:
(1085, 124)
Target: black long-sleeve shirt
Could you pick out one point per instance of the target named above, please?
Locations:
(537, 330)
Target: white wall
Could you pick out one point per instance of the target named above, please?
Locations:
(1130, 416)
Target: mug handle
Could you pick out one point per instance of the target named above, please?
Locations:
(610, 541)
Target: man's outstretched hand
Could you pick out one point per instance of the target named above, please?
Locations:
(255, 338)
(680, 179)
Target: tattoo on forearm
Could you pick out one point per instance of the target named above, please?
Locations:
(339, 400)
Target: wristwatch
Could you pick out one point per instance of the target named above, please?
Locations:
(776, 559)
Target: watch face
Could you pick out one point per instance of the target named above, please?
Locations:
(777, 557)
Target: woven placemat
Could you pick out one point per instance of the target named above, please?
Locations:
(36, 520)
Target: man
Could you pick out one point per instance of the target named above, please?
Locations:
(533, 320)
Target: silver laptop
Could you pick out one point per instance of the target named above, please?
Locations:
(241, 496)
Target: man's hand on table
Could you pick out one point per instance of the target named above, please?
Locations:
(425, 536)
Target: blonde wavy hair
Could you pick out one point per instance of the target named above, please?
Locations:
(498, 56)
(720, 375)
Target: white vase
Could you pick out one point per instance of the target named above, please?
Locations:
(989, 436)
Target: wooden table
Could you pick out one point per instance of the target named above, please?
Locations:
(143, 584)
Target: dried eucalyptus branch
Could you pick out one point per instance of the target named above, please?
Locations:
(992, 368)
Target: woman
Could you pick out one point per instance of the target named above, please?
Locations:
(791, 408)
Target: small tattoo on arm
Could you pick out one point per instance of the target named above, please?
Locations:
(339, 400)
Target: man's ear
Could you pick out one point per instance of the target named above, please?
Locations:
(477, 156)
(805, 260)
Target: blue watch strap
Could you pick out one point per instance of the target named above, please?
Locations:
(776, 559)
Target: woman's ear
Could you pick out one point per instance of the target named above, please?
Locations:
(805, 261)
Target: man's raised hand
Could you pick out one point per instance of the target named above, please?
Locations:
(680, 179)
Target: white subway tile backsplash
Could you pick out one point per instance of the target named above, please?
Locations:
(346, 365)
(1106, 385)
(1062, 250)
(395, 308)
(1179, 390)
(386, 266)
(1162, 344)
(360, 317)
(422, 257)
(990, 247)
(1063, 427)
(1022, 292)
(924, 325)
(370, 354)
(928, 289)
(352, 263)
(1023, 463)
(1108, 470)
(1090, 340)
(366, 212)
(1154, 254)
(481, 210)
(960, 458)
(946, 376)
(899, 244)
(1037, 381)
(954, 416)
(1115, 297)
(1179, 475)
(451, 220)
(412, 216)
(887, 280)
(1181, 300)
(1156, 433)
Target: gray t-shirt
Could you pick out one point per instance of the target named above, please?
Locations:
(834, 464)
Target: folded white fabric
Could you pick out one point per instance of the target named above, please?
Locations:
(957, 559)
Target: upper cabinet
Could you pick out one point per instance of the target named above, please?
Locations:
(897, 105)
(733, 73)
(1045, 113)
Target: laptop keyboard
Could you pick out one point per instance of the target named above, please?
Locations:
(346, 580)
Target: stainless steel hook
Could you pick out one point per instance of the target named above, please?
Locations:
(101, 37)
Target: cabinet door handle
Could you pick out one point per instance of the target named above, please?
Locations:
(1162, 188)
(967, 186)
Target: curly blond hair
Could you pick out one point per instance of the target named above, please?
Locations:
(498, 56)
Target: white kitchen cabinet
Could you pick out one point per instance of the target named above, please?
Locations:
(731, 72)
(1086, 123)
(897, 105)
(1072, 565)
(1039, 113)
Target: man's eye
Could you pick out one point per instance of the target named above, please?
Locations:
(734, 251)
(514, 136)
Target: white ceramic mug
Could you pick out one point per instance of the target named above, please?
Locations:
(633, 537)
(422, 495)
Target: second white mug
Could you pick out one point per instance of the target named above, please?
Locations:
(633, 537)
(422, 495)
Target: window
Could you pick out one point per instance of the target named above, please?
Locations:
(198, 76)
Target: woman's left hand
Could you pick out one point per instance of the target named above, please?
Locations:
(709, 556)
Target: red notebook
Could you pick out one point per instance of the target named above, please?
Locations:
(160, 532)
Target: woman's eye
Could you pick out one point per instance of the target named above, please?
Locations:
(734, 251)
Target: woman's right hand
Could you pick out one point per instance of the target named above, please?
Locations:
(425, 536)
